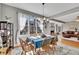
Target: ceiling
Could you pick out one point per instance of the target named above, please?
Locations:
(59, 11)
(69, 17)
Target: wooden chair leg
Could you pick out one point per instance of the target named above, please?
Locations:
(54, 50)
(22, 53)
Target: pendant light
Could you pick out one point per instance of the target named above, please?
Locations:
(43, 11)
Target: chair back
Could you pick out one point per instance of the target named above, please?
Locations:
(49, 40)
(23, 44)
(26, 47)
(53, 41)
(45, 42)
(27, 39)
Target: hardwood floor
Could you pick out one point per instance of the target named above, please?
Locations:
(70, 43)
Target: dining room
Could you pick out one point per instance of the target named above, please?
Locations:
(39, 28)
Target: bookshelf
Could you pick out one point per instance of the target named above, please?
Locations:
(6, 33)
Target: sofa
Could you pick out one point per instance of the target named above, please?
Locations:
(69, 34)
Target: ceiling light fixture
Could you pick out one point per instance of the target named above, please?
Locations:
(43, 11)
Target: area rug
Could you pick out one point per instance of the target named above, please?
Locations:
(60, 50)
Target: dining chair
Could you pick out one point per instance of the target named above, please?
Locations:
(26, 47)
(45, 47)
(53, 45)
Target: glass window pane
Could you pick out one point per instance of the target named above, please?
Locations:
(32, 25)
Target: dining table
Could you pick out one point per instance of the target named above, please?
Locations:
(38, 40)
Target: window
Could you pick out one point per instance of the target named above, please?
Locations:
(29, 24)
(32, 25)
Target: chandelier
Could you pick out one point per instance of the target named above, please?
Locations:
(43, 11)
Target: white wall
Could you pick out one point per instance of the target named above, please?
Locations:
(71, 26)
(0, 11)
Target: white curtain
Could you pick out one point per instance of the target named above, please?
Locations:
(22, 20)
(41, 25)
(1, 42)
